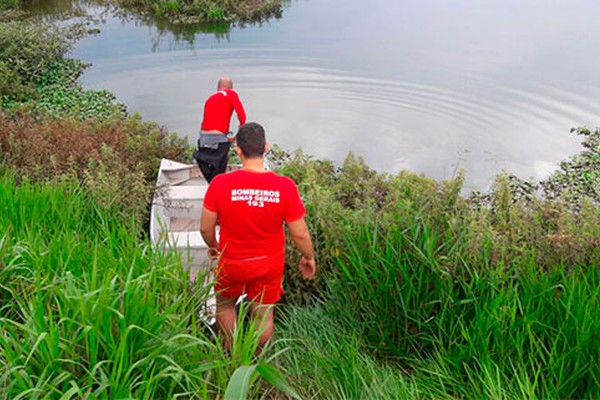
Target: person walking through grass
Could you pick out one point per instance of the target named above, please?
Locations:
(252, 205)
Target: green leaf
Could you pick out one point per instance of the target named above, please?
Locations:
(239, 384)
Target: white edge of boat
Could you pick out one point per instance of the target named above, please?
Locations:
(175, 221)
(175, 212)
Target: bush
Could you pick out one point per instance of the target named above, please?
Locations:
(28, 48)
(578, 177)
(11, 84)
(117, 160)
(34, 73)
(513, 222)
(467, 287)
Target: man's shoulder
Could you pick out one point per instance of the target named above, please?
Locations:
(238, 176)
(223, 93)
(228, 92)
(283, 180)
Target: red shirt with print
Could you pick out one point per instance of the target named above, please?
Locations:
(252, 207)
(218, 110)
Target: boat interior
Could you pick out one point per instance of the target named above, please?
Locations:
(176, 210)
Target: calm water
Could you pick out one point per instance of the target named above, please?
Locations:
(427, 86)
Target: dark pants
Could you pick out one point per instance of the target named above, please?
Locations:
(212, 161)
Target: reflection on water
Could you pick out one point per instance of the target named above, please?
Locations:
(428, 86)
(55, 8)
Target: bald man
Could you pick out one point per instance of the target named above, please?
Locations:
(213, 145)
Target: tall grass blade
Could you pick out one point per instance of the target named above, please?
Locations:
(275, 378)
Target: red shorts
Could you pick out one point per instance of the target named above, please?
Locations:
(260, 278)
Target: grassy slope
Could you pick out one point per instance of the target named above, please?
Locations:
(90, 311)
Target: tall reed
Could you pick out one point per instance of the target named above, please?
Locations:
(531, 332)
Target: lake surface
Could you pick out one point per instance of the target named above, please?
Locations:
(429, 86)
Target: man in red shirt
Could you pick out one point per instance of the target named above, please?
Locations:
(213, 144)
(252, 205)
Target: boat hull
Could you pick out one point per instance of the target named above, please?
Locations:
(175, 213)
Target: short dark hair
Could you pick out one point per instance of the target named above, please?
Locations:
(251, 140)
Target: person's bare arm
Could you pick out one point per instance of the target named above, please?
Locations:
(301, 237)
(208, 223)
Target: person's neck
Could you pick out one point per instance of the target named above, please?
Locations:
(253, 164)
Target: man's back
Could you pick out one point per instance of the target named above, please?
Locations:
(219, 108)
(252, 207)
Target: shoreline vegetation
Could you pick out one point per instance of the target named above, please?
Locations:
(204, 11)
(423, 292)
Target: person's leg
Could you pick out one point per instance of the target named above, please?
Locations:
(204, 158)
(264, 315)
(223, 150)
(226, 318)
(264, 293)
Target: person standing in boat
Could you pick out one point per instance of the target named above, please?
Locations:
(252, 205)
(214, 143)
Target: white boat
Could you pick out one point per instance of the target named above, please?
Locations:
(175, 223)
(175, 213)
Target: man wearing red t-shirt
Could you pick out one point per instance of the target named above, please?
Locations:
(213, 144)
(252, 205)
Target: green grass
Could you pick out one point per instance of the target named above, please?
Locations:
(89, 310)
(426, 293)
(396, 324)
(328, 360)
(407, 309)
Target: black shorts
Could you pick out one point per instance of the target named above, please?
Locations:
(212, 161)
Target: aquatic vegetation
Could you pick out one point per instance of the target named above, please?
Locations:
(59, 94)
(578, 177)
(35, 74)
(184, 19)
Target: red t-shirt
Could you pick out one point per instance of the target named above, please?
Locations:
(252, 208)
(219, 108)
